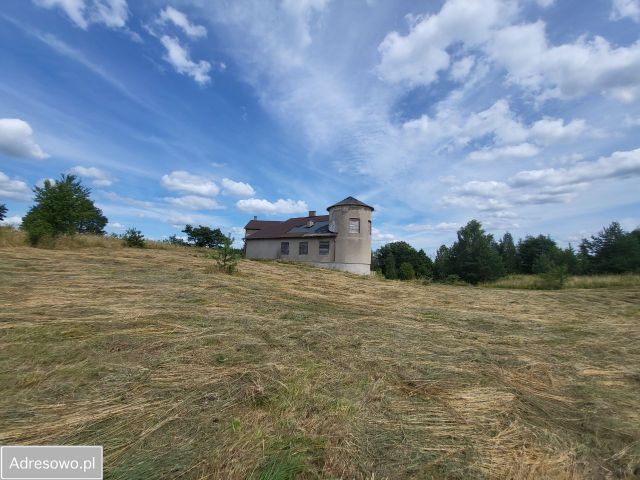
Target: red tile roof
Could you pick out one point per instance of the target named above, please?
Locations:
(275, 229)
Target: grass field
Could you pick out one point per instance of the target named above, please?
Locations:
(285, 371)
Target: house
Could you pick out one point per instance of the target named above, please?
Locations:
(340, 240)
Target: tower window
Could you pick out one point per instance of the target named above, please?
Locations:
(324, 247)
(284, 248)
(303, 248)
(354, 225)
(369, 227)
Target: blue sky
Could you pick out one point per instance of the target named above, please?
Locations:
(522, 114)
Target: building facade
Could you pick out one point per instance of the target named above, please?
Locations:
(340, 240)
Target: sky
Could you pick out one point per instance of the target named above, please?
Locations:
(523, 114)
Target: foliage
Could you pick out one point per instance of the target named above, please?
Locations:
(133, 238)
(611, 251)
(202, 236)
(62, 208)
(405, 272)
(508, 253)
(3, 212)
(554, 277)
(474, 256)
(536, 252)
(402, 252)
(227, 257)
(389, 267)
(175, 240)
(441, 268)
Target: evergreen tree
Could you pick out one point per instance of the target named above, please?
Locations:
(62, 208)
(403, 252)
(532, 248)
(202, 236)
(3, 212)
(613, 250)
(389, 269)
(442, 264)
(508, 252)
(474, 256)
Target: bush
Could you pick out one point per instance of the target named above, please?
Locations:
(406, 272)
(133, 238)
(555, 277)
(227, 258)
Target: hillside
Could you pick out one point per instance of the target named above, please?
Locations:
(285, 371)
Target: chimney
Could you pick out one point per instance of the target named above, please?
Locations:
(255, 217)
(312, 213)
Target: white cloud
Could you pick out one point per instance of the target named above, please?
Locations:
(14, 189)
(178, 56)
(419, 56)
(100, 177)
(378, 236)
(179, 19)
(568, 70)
(439, 227)
(461, 69)
(181, 181)
(14, 221)
(237, 189)
(618, 165)
(554, 130)
(194, 202)
(256, 205)
(482, 189)
(16, 139)
(523, 150)
(112, 13)
(116, 226)
(546, 3)
(625, 8)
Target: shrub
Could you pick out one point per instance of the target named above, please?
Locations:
(555, 277)
(227, 258)
(406, 272)
(133, 238)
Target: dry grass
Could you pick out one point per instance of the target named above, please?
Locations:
(535, 282)
(286, 371)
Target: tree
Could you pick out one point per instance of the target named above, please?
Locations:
(227, 258)
(389, 267)
(508, 253)
(442, 264)
(405, 272)
(474, 256)
(175, 240)
(62, 208)
(133, 238)
(532, 248)
(3, 212)
(403, 252)
(202, 236)
(613, 250)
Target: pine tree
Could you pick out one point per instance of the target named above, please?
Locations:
(3, 212)
(62, 208)
(508, 253)
(474, 256)
(390, 267)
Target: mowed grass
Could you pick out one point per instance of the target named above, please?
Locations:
(286, 371)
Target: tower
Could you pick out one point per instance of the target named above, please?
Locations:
(350, 220)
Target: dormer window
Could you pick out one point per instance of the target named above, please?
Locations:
(354, 225)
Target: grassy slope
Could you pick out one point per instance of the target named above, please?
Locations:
(287, 370)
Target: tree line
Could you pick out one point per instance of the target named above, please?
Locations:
(477, 257)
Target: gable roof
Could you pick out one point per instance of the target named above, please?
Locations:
(350, 201)
(292, 228)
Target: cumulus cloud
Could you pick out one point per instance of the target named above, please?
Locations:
(112, 13)
(461, 69)
(179, 19)
(256, 205)
(418, 57)
(568, 70)
(13, 221)
(16, 139)
(14, 189)
(181, 181)
(178, 56)
(116, 226)
(100, 177)
(237, 189)
(625, 8)
(194, 202)
(428, 227)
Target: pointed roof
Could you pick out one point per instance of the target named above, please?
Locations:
(350, 201)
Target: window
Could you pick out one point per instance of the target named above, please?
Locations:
(369, 227)
(303, 248)
(324, 247)
(284, 248)
(354, 225)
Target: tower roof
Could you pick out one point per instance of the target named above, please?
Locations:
(350, 201)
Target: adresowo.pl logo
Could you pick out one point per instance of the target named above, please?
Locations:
(50, 462)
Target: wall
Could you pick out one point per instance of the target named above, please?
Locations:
(270, 249)
(352, 248)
